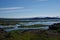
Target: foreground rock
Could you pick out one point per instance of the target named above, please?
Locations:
(54, 26)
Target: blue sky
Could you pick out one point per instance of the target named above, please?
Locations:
(29, 8)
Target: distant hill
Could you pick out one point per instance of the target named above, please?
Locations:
(35, 18)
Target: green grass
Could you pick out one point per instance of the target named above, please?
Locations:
(28, 35)
(31, 35)
(32, 26)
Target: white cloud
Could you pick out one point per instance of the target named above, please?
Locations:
(11, 8)
(14, 9)
(42, 0)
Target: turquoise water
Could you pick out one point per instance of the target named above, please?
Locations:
(31, 23)
(42, 28)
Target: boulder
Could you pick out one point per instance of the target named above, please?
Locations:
(54, 26)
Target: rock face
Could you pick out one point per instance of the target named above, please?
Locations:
(55, 26)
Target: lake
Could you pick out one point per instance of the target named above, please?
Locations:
(33, 23)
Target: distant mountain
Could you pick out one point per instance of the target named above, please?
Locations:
(35, 18)
(46, 18)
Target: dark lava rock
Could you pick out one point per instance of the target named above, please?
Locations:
(54, 26)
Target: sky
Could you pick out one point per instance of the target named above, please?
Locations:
(29, 8)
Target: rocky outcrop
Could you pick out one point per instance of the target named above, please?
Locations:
(55, 26)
